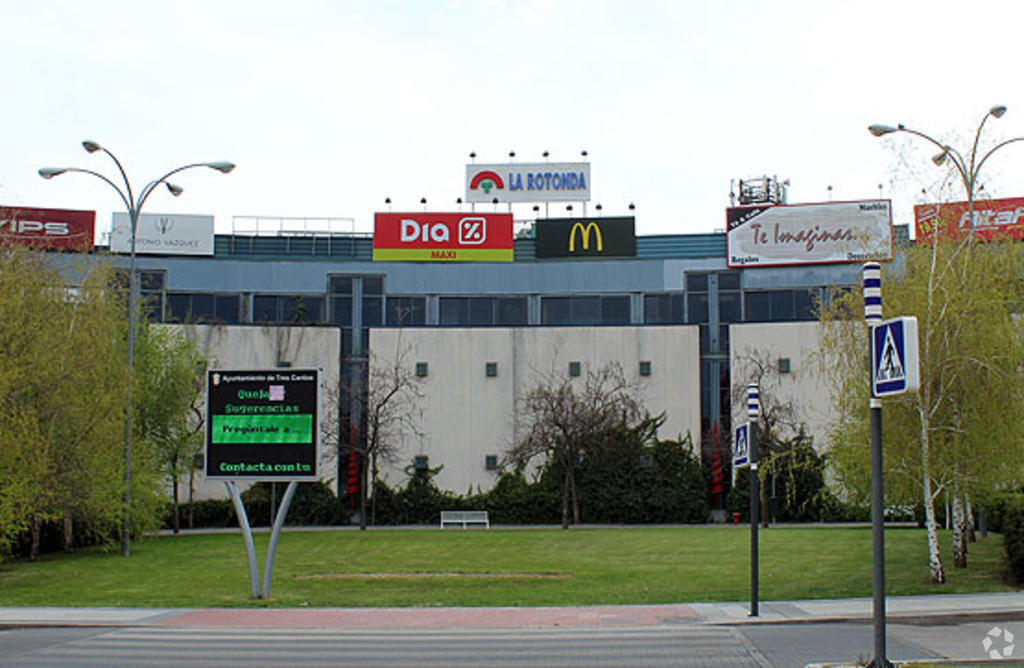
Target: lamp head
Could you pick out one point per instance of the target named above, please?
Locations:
(878, 129)
(50, 172)
(998, 110)
(175, 190)
(222, 167)
(91, 146)
(940, 158)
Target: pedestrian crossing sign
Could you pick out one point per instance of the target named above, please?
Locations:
(894, 366)
(741, 446)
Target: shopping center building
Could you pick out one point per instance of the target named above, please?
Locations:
(678, 313)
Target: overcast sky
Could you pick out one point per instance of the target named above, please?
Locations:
(329, 107)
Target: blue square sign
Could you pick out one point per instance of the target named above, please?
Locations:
(894, 366)
(741, 446)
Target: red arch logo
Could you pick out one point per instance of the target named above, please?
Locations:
(487, 180)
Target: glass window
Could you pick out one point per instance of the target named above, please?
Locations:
(697, 308)
(758, 306)
(729, 280)
(729, 307)
(615, 310)
(663, 309)
(226, 308)
(696, 282)
(151, 280)
(594, 310)
(202, 309)
(151, 304)
(301, 309)
(373, 311)
(264, 308)
(341, 310)
(341, 285)
(405, 311)
(454, 311)
(481, 311)
(373, 285)
(806, 306)
(555, 311)
(511, 311)
(782, 304)
(177, 308)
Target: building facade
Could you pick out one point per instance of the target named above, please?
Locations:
(675, 316)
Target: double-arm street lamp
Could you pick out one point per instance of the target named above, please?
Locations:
(133, 203)
(968, 167)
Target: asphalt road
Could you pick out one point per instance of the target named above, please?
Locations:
(777, 645)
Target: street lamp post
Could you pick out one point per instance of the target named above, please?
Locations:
(968, 168)
(133, 203)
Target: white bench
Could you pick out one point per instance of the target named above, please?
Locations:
(465, 518)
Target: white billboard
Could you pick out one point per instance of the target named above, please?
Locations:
(766, 236)
(163, 234)
(529, 182)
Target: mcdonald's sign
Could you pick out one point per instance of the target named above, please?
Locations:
(585, 237)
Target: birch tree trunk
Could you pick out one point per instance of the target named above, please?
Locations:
(938, 574)
(959, 532)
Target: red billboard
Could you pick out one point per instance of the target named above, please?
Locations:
(991, 219)
(443, 237)
(56, 229)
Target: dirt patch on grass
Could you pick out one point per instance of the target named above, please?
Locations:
(381, 576)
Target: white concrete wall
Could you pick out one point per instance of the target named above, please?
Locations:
(250, 347)
(466, 415)
(804, 385)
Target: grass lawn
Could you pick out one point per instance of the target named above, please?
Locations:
(512, 567)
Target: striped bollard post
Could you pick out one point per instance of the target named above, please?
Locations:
(873, 316)
(753, 413)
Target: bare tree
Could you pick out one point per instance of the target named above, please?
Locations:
(383, 398)
(566, 417)
(778, 426)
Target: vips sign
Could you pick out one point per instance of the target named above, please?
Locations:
(529, 182)
(767, 236)
(443, 237)
(163, 234)
(991, 219)
(52, 229)
(262, 425)
(585, 237)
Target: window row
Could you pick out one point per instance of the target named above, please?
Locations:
(510, 311)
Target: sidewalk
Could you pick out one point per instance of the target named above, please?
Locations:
(695, 614)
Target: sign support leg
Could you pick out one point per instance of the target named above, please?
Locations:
(878, 533)
(755, 520)
(275, 534)
(250, 548)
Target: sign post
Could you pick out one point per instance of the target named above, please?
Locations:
(262, 425)
(753, 414)
(894, 370)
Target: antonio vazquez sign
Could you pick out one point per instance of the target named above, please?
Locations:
(585, 237)
(262, 425)
(55, 229)
(443, 237)
(768, 236)
(529, 182)
(163, 234)
(992, 219)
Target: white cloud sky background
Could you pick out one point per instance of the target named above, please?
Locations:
(329, 107)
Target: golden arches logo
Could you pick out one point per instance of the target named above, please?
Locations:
(585, 231)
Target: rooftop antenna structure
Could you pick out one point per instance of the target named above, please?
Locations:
(760, 190)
